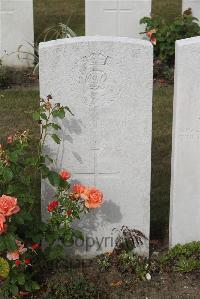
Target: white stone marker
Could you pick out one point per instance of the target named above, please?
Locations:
(16, 28)
(194, 5)
(116, 17)
(185, 184)
(107, 83)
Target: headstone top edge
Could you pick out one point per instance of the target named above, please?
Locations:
(126, 40)
(188, 41)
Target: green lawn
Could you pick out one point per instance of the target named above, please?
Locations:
(168, 9)
(15, 115)
(161, 159)
(51, 12)
(15, 105)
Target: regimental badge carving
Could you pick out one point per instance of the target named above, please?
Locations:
(96, 79)
(93, 69)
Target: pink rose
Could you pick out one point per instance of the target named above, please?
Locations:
(8, 205)
(14, 255)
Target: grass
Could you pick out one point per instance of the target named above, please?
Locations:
(161, 159)
(167, 9)
(12, 115)
(48, 13)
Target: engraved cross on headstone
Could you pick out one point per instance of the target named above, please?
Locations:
(95, 173)
(118, 11)
(5, 11)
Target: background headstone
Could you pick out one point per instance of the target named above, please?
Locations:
(116, 17)
(107, 83)
(16, 28)
(185, 186)
(194, 5)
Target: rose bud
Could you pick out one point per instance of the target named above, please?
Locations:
(35, 246)
(27, 261)
(65, 175)
(10, 139)
(52, 205)
(69, 213)
(17, 262)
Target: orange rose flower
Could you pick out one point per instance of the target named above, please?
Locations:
(93, 198)
(151, 32)
(8, 205)
(64, 175)
(2, 224)
(78, 188)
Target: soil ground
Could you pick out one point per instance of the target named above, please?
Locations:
(167, 285)
(112, 284)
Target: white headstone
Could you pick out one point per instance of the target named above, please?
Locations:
(185, 186)
(116, 17)
(107, 83)
(16, 28)
(194, 5)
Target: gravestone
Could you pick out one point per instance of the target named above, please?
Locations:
(194, 5)
(107, 83)
(185, 187)
(116, 17)
(16, 28)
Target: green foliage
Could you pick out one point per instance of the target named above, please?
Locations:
(69, 285)
(4, 268)
(104, 262)
(166, 34)
(163, 36)
(131, 262)
(183, 258)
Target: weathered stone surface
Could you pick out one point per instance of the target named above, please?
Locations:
(16, 28)
(116, 17)
(107, 83)
(194, 5)
(185, 187)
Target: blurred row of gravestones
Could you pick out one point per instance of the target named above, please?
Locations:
(107, 18)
